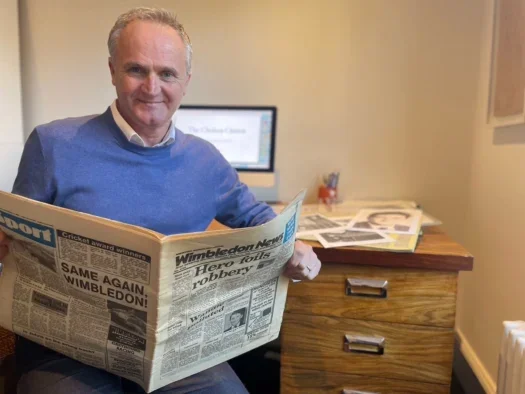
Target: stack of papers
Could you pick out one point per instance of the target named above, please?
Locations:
(383, 225)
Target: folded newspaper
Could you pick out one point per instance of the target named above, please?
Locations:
(151, 308)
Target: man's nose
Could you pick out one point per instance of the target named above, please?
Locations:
(151, 84)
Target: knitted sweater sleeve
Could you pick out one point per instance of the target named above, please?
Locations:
(34, 179)
(236, 205)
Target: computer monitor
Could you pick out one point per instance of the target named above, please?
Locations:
(245, 135)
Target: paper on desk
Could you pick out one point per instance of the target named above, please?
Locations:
(310, 224)
(398, 221)
(350, 207)
(343, 212)
(429, 220)
(400, 243)
(346, 237)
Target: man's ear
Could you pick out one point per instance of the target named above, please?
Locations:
(111, 70)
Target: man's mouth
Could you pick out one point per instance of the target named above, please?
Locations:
(150, 102)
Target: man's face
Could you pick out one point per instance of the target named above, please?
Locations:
(235, 319)
(387, 219)
(148, 71)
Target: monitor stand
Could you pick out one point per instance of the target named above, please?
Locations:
(264, 185)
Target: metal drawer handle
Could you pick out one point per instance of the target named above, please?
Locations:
(376, 288)
(350, 391)
(362, 344)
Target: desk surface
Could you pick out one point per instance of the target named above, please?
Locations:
(435, 251)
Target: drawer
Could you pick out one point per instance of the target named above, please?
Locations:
(410, 296)
(295, 381)
(409, 352)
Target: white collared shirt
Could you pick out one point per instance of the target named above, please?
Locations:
(132, 136)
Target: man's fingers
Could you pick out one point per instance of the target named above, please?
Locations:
(296, 259)
(289, 270)
(304, 264)
(315, 271)
(3, 251)
(293, 272)
(302, 274)
(4, 239)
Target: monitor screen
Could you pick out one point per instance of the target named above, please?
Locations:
(244, 135)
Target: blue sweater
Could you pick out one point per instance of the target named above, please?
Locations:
(86, 164)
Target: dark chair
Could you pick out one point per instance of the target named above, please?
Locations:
(7, 360)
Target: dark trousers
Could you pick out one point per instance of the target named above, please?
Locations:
(43, 371)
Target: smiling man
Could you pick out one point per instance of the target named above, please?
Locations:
(131, 164)
(150, 70)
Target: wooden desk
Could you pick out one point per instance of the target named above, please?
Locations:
(415, 318)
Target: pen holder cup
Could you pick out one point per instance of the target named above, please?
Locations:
(327, 195)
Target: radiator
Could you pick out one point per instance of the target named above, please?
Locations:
(511, 365)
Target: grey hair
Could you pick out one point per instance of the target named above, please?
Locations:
(157, 15)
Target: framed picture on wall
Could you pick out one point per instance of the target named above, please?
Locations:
(507, 74)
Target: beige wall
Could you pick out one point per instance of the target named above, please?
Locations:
(11, 133)
(390, 93)
(360, 86)
(494, 230)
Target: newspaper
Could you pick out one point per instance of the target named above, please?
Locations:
(399, 221)
(400, 243)
(350, 208)
(343, 213)
(150, 308)
(311, 224)
(429, 220)
(347, 237)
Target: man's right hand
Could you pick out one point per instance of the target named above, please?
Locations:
(4, 248)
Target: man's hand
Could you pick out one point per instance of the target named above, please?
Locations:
(304, 263)
(4, 250)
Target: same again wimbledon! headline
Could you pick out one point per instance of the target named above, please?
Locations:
(82, 277)
(103, 284)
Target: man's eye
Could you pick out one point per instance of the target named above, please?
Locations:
(167, 75)
(134, 70)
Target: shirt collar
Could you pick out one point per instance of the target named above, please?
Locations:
(132, 136)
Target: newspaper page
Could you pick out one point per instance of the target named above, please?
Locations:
(81, 286)
(221, 295)
(347, 237)
(149, 308)
(400, 243)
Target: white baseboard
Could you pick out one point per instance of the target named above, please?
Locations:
(475, 363)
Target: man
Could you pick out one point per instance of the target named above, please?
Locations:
(130, 164)
(236, 319)
(386, 221)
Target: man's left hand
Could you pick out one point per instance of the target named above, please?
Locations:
(304, 263)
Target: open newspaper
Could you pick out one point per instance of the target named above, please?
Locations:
(150, 308)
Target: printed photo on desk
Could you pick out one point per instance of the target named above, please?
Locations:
(309, 224)
(396, 221)
(346, 237)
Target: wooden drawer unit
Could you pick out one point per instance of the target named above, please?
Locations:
(353, 347)
(375, 322)
(294, 382)
(381, 294)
